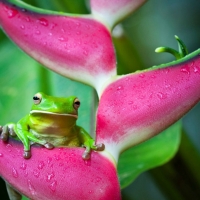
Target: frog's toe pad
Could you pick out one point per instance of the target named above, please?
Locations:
(27, 154)
(4, 133)
(86, 155)
(49, 145)
(100, 147)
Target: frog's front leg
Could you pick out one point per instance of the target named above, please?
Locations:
(22, 131)
(89, 143)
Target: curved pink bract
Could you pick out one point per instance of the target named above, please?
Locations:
(113, 11)
(58, 173)
(77, 47)
(137, 106)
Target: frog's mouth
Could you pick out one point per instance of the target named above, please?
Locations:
(53, 113)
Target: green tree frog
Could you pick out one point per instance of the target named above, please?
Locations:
(51, 122)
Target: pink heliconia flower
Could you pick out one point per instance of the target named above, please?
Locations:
(135, 107)
(59, 174)
(132, 108)
(112, 11)
(76, 46)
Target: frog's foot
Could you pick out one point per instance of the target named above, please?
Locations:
(100, 147)
(27, 154)
(87, 152)
(48, 145)
(7, 131)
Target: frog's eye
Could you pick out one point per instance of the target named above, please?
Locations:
(37, 98)
(77, 103)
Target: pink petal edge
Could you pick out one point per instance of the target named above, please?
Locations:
(112, 11)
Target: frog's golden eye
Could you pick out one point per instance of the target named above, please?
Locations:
(77, 103)
(37, 98)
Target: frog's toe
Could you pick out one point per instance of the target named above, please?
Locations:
(86, 155)
(4, 133)
(12, 132)
(49, 145)
(1, 128)
(27, 154)
(100, 147)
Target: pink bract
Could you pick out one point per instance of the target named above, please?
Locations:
(135, 107)
(77, 47)
(59, 174)
(112, 11)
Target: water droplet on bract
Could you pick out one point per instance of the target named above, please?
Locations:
(49, 159)
(78, 33)
(44, 22)
(31, 188)
(53, 185)
(50, 176)
(119, 88)
(36, 173)
(141, 97)
(38, 32)
(22, 27)
(167, 85)
(41, 165)
(78, 24)
(162, 95)
(98, 179)
(1, 155)
(196, 69)
(185, 70)
(23, 166)
(14, 172)
(27, 19)
(50, 34)
(130, 102)
(85, 53)
(12, 13)
(52, 26)
(9, 147)
(61, 39)
(141, 75)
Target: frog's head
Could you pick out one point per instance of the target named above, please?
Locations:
(55, 105)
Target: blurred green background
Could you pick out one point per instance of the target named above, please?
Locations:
(153, 25)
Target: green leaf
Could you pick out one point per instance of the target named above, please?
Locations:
(149, 154)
